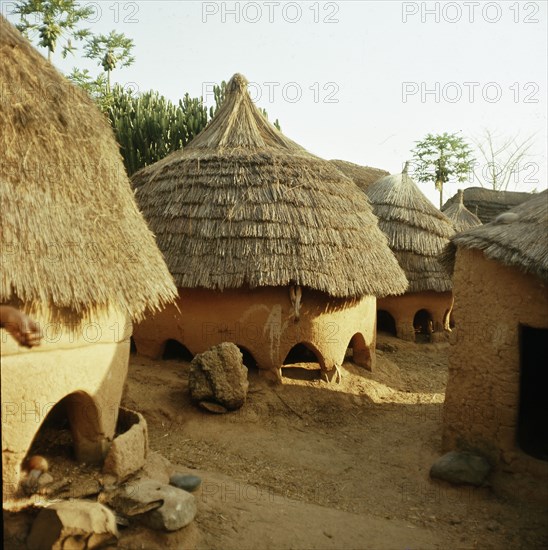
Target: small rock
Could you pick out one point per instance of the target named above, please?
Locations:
(186, 482)
(461, 468)
(73, 524)
(385, 346)
(44, 479)
(156, 505)
(213, 407)
(219, 376)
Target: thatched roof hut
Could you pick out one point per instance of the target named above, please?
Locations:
(75, 253)
(461, 217)
(73, 240)
(487, 204)
(417, 232)
(244, 206)
(517, 238)
(362, 176)
(497, 368)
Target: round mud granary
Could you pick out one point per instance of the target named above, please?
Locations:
(417, 234)
(269, 245)
(495, 401)
(70, 232)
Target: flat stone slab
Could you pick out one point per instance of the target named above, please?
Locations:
(73, 524)
(155, 504)
(461, 467)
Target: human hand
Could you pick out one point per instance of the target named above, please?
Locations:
(20, 326)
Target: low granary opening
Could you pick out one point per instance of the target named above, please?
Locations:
(132, 346)
(386, 323)
(248, 359)
(175, 350)
(359, 352)
(54, 436)
(533, 405)
(423, 324)
(301, 363)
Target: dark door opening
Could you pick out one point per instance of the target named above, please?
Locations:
(385, 322)
(533, 405)
(301, 363)
(248, 359)
(176, 350)
(423, 325)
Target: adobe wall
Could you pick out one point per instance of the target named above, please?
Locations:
(482, 397)
(263, 321)
(88, 363)
(403, 309)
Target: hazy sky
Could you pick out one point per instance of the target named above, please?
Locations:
(356, 80)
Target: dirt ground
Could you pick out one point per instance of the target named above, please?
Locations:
(311, 464)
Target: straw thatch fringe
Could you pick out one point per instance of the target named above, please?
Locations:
(244, 206)
(461, 217)
(417, 232)
(362, 176)
(72, 237)
(521, 243)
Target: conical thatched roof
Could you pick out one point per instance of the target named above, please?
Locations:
(72, 237)
(461, 217)
(417, 232)
(487, 204)
(244, 206)
(362, 176)
(518, 238)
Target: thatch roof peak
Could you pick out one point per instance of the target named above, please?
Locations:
(518, 241)
(244, 206)
(460, 216)
(240, 124)
(417, 231)
(72, 238)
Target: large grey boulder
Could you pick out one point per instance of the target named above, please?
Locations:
(461, 467)
(73, 524)
(219, 376)
(154, 504)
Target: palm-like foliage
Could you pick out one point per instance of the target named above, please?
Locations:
(440, 158)
(53, 20)
(110, 51)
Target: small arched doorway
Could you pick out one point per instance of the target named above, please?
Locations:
(302, 363)
(248, 359)
(423, 324)
(361, 355)
(174, 350)
(386, 322)
(71, 429)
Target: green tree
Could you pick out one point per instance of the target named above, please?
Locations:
(440, 158)
(148, 126)
(110, 51)
(54, 20)
(95, 87)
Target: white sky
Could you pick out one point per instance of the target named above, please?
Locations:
(359, 54)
